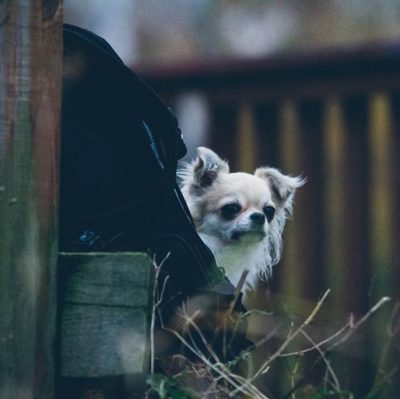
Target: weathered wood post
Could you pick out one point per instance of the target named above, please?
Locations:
(105, 304)
(30, 82)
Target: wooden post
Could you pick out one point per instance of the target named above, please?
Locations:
(30, 82)
(105, 313)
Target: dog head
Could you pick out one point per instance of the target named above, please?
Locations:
(239, 207)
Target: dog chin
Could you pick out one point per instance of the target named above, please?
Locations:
(247, 236)
(247, 251)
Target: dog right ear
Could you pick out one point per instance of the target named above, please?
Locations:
(206, 168)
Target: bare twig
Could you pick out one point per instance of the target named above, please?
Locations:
(336, 383)
(392, 330)
(265, 366)
(319, 344)
(293, 378)
(211, 367)
(223, 370)
(216, 367)
(157, 300)
(238, 290)
(394, 325)
(362, 320)
(293, 335)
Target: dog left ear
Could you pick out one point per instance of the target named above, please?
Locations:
(206, 168)
(282, 186)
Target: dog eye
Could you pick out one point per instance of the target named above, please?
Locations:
(269, 212)
(230, 210)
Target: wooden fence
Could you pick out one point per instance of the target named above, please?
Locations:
(335, 118)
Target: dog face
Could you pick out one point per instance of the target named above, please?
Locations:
(235, 207)
(239, 210)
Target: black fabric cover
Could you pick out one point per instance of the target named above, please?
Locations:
(119, 150)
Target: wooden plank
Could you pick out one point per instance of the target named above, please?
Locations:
(395, 115)
(299, 272)
(277, 78)
(115, 279)
(335, 194)
(223, 133)
(355, 212)
(288, 271)
(246, 139)
(267, 131)
(383, 216)
(106, 304)
(382, 202)
(300, 152)
(346, 224)
(30, 85)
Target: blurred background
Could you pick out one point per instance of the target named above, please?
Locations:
(313, 88)
(155, 32)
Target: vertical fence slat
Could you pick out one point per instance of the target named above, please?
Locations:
(300, 268)
(246, 140)
(266, 120)
(355, 211)
(303, 244)
(334, 196)
(395, 114)
(223, 132)
(382, 207)
(346, 229)
(30, 65)
(289, 142)
(381, 202)
(382, 196)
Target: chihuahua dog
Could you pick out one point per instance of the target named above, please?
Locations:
(240, 216)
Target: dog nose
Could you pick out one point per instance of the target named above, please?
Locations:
(257, 218)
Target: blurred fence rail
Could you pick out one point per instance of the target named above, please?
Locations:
(335, 118)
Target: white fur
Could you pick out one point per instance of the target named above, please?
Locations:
(238, 243)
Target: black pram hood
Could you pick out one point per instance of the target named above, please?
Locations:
(119, 150)
(144, 101)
